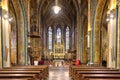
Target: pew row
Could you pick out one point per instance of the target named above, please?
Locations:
(81, 73)
(40, 71)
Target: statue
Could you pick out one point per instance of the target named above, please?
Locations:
(30, 54)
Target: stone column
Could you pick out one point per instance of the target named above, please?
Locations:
(97, 44)
(0, 36)
(110, 32)
(72, 33)
(5, 34)
(78, 36)
(29, 15)
(111, 55)
(89, 56)
(84, 54)
(45, 41)
(118, 41)
(28, 29)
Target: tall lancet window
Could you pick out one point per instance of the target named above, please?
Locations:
(67, 38)
(58, 35)
(50, 38)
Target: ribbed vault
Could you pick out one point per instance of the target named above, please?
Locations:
(66, 16)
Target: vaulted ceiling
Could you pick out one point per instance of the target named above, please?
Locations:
(66, 16)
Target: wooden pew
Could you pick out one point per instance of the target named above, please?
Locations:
(99, 76)
(41, 66)
(19, 76)
(28, 71)
(33, 67)
(77, 71)
(80, 73)
(43, 69)
(90, 69)
(22, 72)
(72, 68)
(101, 79)
(15, 79)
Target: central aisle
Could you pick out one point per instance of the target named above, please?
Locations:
(59, 73)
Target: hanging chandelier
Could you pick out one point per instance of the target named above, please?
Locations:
(56, 8)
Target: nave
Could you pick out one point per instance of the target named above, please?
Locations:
(59, 30)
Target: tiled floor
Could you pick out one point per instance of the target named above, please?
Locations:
(59, 73)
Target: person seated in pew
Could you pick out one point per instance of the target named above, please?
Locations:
(41, 62)
(13, 64)
(78, 62)
(104, 63)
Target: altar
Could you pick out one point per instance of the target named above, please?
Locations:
(58, 56)
(59, 51)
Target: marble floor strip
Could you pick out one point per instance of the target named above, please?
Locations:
(59, 73)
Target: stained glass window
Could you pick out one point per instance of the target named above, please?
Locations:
(58, 35)
(67, 38)
(50, 38)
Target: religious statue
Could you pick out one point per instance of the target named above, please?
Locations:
(34, 28)
(30, 54)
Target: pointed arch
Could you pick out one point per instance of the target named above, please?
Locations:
(21, 32)
(97, 24)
